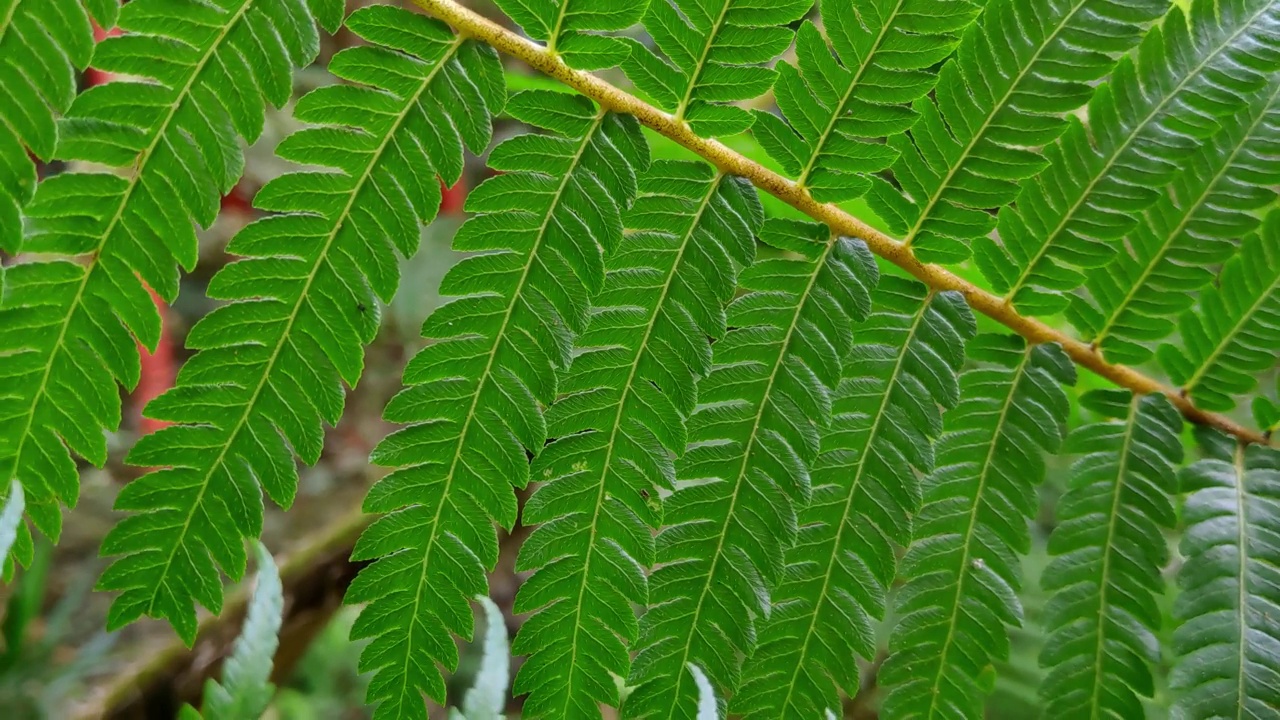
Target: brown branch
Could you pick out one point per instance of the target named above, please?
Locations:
(610, 97)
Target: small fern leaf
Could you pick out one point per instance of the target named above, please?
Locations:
(1108, 552)
(1266, 412)
(886, 412)
(486, 699)
(246, 687)
(837, 109)
(715, 51)
(304, 301)
(1188, 76)
(473, 398)
(1018, 70)
(571, 27)
(1236, 333)
(708, 704)
(618, 422)
(963, 570)
(42, 44)
(752, 440)
(1226, 638)
(12, 527)
(1195, 225)
(68, 329)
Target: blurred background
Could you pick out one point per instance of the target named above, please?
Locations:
(57, 662)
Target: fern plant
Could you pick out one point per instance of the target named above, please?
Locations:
(759, 440)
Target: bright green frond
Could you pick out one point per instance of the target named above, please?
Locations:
(1017, 72)
(838, 108)
(715, 53)
(42, 44)
(1189, 75)
(474, 396)
(1235, 333)
(570, 27)
(886, 411)
(1227, 641)
(964, 568)
(1195, 225)
(68, 329)
(619, 420)
(1109, 550)
(752, 441)
(302, 303)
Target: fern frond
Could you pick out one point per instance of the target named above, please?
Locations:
(1158, 106)
(963, 570)
(752, 440)
(1227, 638)
(10, 521)
(271, 363)
(1109, 550)
(42, 44)
(1018, 70)
(1266, 412)
(714, 54)
(568, 27)
(473, 398)
(886, 411)
(486, 699)
(1195, 226)
(1236, 332)
(68, 329)
(618, 422)
(834, 106)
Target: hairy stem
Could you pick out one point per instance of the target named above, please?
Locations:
(612, 98)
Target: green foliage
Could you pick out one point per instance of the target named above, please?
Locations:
(486, 699)
(571, 27)
(1237, 329)
(1108, 551)
(474, 397)
(620, 418)
(1189, 76)
(10, 520)
(1227, 639)
(963, 569)
(303, 302)
(886, 411)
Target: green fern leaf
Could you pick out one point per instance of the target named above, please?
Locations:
(569, 27)
(68, 329)
(714, 54)
(1189, 74)
(1109, 550)
(835, 106)
(473, 397)
(752, 441)
(620, 418)
(1227, 638)
(1017, 71)
(1266, 412)
(42, 44)
(304, 301)
(886, 412)
(964, 571)
(708, 703)
(1194, 226)
(1236, 333)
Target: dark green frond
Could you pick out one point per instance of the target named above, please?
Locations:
(838, 108)
(301, 305)
(1189, 75)
(752, 441)
(1235, 334)
(1018, 70)
(964, 568)
(42, 44)
(886, 411)
(571, 27)
(1195, 225)
(474, 396)
(715, 54)
(1109, 550)
(68, 328)
(619, 421)
(1227, 640)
